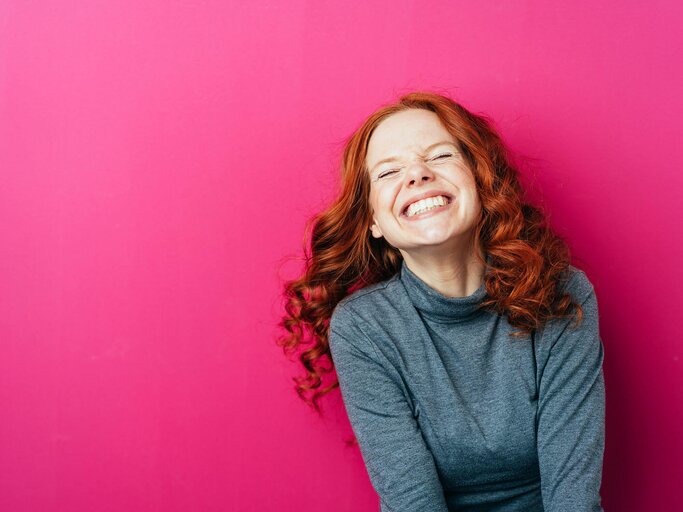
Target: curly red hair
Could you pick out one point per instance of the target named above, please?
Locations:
(527, 262)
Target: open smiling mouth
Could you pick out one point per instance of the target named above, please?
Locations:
(427, 207)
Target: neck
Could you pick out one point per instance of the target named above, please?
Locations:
(456, 273)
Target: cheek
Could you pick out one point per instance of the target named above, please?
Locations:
(474, 199)
(470, 194)
(372, 202)
(375, 203)
(378, 202)
(471, 186)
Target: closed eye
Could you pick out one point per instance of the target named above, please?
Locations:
(446, 155)
(387, 173)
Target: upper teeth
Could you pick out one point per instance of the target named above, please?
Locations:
(426, 204)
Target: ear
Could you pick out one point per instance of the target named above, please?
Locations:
(375, 230)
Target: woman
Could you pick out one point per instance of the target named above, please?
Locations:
(465, 344)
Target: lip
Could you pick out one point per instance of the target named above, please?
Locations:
(425, 195)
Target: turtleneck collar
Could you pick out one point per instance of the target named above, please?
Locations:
(436, 305)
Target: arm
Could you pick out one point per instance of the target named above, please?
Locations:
(571, 414)
(399, 463)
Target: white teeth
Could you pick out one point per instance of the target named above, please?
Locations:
(426, 204)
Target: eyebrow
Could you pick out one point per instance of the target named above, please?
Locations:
(395, 158)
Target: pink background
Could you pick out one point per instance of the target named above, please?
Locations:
(158, 163)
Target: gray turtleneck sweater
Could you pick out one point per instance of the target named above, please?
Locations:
(451, 413)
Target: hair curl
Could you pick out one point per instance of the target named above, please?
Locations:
(527, 264)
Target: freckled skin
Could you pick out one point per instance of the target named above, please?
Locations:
(428, 241)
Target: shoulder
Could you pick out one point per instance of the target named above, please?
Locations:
(577, 285)
(365, 304)
(580, 288)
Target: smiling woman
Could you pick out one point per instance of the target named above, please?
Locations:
(465, 344)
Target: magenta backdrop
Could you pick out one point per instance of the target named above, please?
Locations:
(159, 161)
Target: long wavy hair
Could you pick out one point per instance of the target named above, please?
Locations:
(527, 261)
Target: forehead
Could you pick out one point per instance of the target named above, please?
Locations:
(408, 130)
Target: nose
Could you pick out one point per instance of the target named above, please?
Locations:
(418, 172)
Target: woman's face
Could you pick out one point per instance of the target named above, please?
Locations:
(424, 162)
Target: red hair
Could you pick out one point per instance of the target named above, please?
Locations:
(528, 262)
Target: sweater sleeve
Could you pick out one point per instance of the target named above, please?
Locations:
(399, 463)
(571, 412)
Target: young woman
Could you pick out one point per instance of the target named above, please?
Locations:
(465, 344)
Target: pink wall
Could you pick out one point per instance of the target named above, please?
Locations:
(159, 160)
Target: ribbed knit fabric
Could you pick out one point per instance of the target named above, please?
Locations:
(451, 413)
